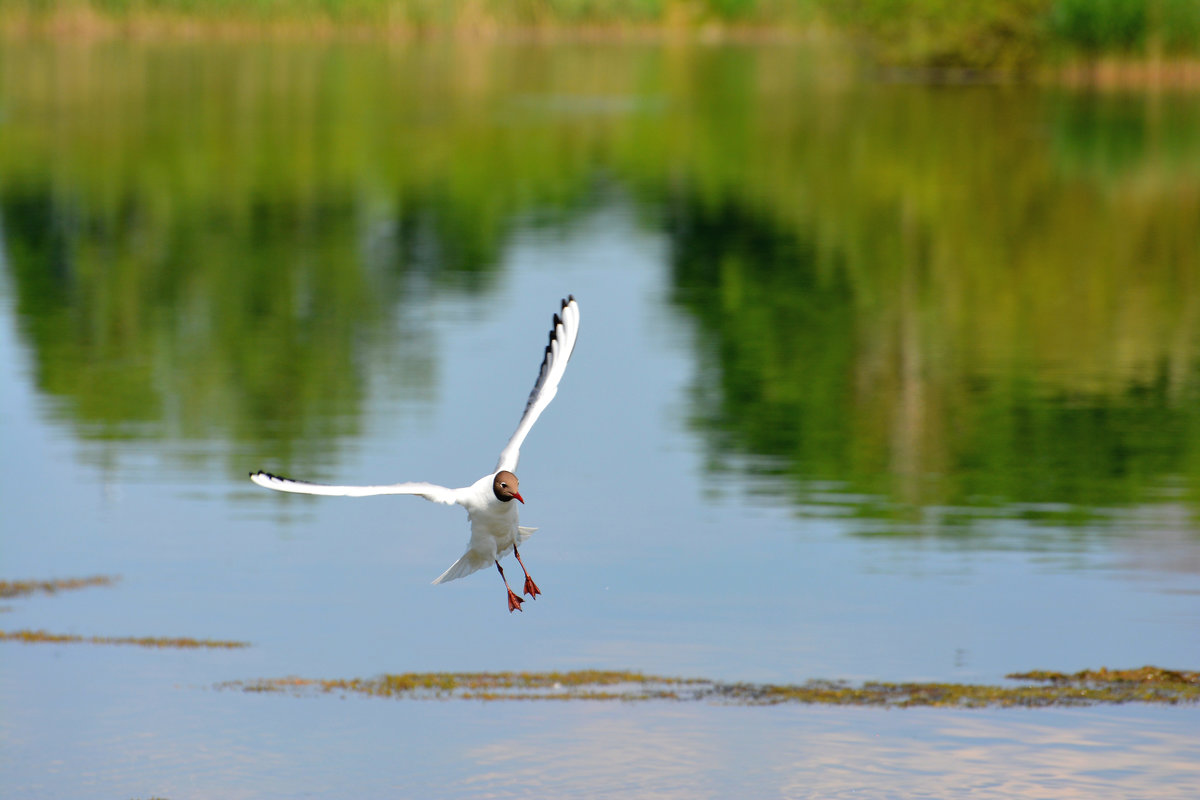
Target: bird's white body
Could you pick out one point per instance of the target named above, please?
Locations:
(495, 528)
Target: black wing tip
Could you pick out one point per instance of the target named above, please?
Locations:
(264, 474)
(558, 320)
(555, 325)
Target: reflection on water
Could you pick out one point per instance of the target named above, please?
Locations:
(968, 322)
(813, 754)
(960, 322)
(956, 302)
(196, 744)
(942, 398)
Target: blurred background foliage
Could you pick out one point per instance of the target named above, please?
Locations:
(1005, 35)
(982, 297)
(1013, 34)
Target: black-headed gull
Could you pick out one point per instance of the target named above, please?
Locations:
(488, 501)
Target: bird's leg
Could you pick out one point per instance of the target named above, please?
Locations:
(531, 588)
(514, 602)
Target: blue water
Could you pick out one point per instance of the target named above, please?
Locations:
(647, 557)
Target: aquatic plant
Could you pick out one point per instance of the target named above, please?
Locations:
(22, 588)
(1040, 688)
(27, 587)
(42, 637)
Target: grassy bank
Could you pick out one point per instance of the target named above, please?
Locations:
(1013, 34)
(1006, 35)
(413, 17)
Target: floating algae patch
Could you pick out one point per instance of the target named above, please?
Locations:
(1091, 687)
(42, 637)
(1147, 684)
(578, 685)
(22, 588)
(1152, 685)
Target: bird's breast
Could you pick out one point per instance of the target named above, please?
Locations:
(498, 520)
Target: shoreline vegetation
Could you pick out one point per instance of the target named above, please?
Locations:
(1104, 42)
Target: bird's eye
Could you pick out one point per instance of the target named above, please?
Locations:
(503, 485)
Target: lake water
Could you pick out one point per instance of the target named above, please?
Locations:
(876, 380)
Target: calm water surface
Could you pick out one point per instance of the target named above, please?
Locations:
(876, 381)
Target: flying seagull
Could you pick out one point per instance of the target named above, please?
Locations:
(488, 501)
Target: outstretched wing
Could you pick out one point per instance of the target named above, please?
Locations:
(558, 351)
(430, 491)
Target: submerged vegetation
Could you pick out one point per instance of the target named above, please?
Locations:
(1039, 688)
(971, 34)
(1147, 684)
(577, 685)
(42, 637)
(22, 588)
(28, 587)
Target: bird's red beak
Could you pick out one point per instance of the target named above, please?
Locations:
(518, 496)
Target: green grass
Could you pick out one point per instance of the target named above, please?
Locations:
(1017, 33)
(434, 14)
(944, 33)
(939, 34)
(1096, 27)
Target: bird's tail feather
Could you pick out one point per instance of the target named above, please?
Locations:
(470, 562)
(473, 562)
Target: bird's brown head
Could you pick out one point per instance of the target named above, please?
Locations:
(504, 486)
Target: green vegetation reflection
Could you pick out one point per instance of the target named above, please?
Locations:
(945, 302)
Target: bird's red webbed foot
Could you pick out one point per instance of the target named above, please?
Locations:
(514, 602)
(531, 588)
